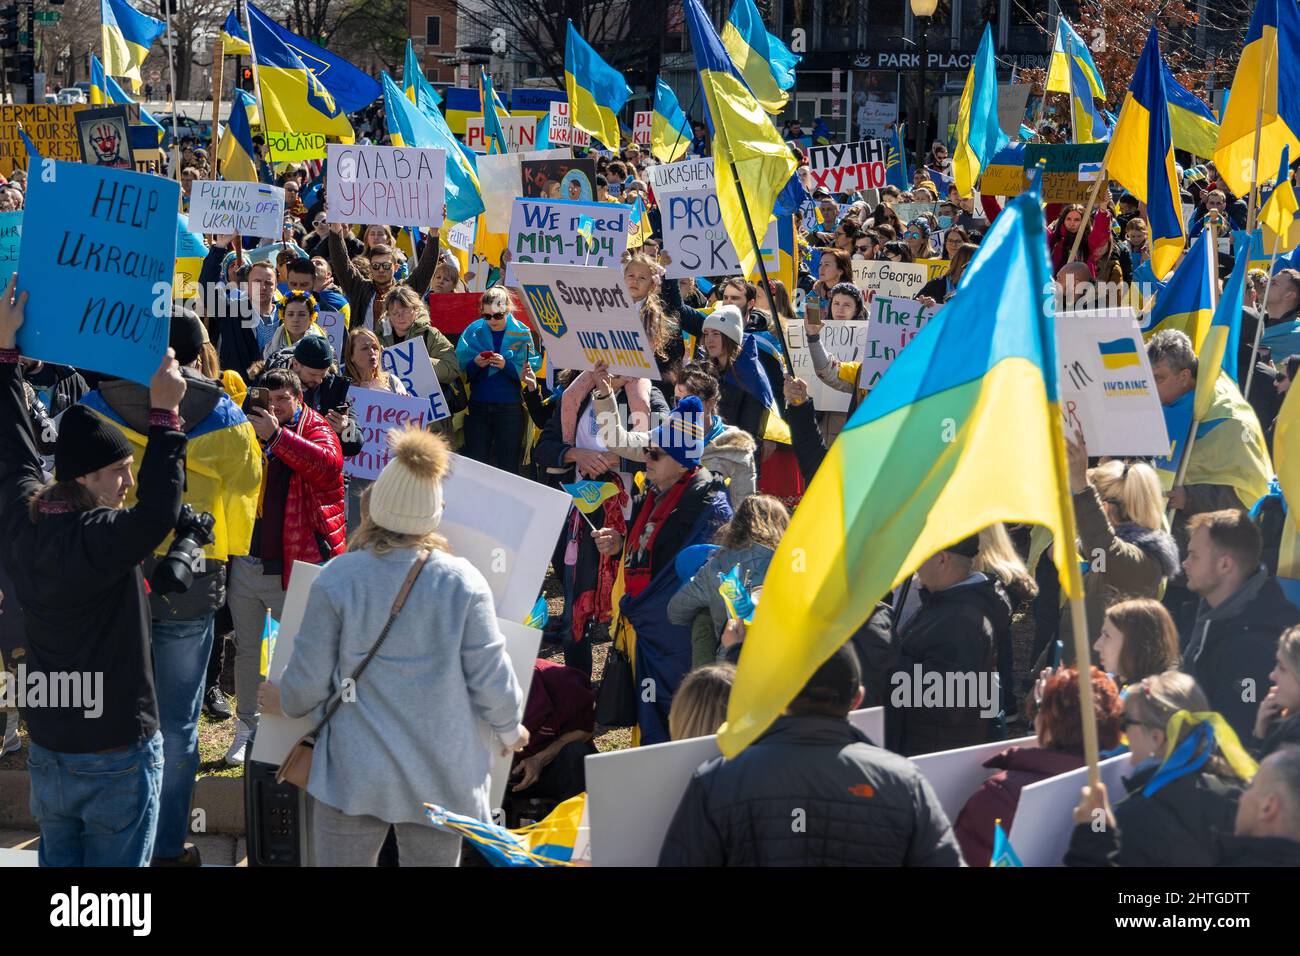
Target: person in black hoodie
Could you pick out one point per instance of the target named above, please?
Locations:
(74, 554)
(950, 644)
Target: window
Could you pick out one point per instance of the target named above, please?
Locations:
(433, 31)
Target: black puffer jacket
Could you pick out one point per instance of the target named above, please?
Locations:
(1282, 732)
(954, 632)
(812, 791)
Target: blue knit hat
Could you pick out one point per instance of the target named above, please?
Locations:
(681, 434)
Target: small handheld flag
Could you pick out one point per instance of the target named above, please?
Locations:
(740, 604)
(539, 615)
(590, 495)
(1003, 854)
(270, 631)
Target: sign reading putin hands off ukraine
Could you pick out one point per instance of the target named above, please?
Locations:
(586, 316)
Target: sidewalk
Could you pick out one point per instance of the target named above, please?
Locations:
(217, 849)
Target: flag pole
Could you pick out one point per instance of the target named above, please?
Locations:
(1083, 663)
(218, 63)
(1263, 317)
(257, 92)
(695, 98)
(1087, 212)
(171, 76)
(762, 266)
(1042, 103)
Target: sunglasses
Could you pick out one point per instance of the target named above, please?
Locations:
(863, 248)
(914, 235)
(381, 267)
(654, 454)
(1128, 722)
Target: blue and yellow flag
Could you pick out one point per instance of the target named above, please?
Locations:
(104, 90)
(1286, 456)
(765, 63)
(558, 840)
(1141, 157)
(590, 495)
(351, 87)
(410, 126)
(639, 228)
(127, 35)
(1268, 73)
(595, 89)
(539, 615)
(670, 131)
(893, 489)
(1069, 46)
(752, 165)
(235, 151)
(270, 632)
(1192, 123)
(979, 136)
(1186, 302)
(293, 99)
(234, 39)
(1218, 353)
(896, 161)
(493, 134)
(1229, 448)
(1003, 854)
(1277, 214)
(416, 85)
(1086, 121)
(739, 602)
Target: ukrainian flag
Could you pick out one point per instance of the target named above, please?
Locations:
(190, 251)
(1118, 353)
(1191, 121)
(979, 136)
(293, 99)
(1218, 353)
(127, 35)
(595, 89)
(416, 85)
(1086, 120)
(1141, 157)
(1069, 46)
(670, 134)
(235, 150)
(351, 88)
(896, 161)
(1277, 214)
(748, 153)
(1187, 300)
(558, 840)
(234, 39)
(493, 134)
(895, 488)
(1229, 449)
(461, 105)
(589, 495)
(1271, 57)
(639, 227)
(409, 126)
(104, 90)
(1286, 453)
(765, 63)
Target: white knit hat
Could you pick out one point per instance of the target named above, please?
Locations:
(727, 320)
(407, 495)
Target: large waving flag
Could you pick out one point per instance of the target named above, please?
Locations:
(493, 134)
(895, 488)
(416, 85)
(1268, 73)
(1218, 354)
(1192, 122)
(670, 132)
(1141, 157)
(595, 89)
(749, 155)
(409, 126)
(127, 35)
(765, 63)
(1286, 456)
(1277, 213)
(104, 90)
(1067, 46)
(978, 134)
(234, 38)
(352, 89)
(1186, 302)
(293, 99)
(235, 149)
(1085, 119)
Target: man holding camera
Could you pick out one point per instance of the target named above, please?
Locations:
(303, 517)
(74, 553)
(223, 472)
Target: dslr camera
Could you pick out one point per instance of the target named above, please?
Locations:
(175, 573)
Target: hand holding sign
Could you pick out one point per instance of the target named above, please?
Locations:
(1076, 453)
(11, 313)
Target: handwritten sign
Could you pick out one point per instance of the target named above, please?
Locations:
(642, 127)
(411, 363)
(848, 167)
(1069, 169)
(377, 412)
(561, 132)
(880, 277)
(53, 131)
(397, 185)
(521, 134)
(546, 230)
(892, 323)
(11, 240)
(694, 236)
(586, 316)
(336, 330)
(98, 252)
(283, 146)
(250, 209)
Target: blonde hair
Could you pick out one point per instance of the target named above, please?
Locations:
(209, 361)
(700, 705)
(998, 557)
(760, 519)
(353, 370)
(1154, 701)
(659, 327)
(1134, 489)
(1288, 645)
(405, 295)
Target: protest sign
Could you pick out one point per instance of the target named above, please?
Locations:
(823, 397)
(681, 176)
(103, 137)
(848, 167)
(98, 252)
(11, 240)
(410, 362)
(250, 209)
(461, 235)
(907, 211)
(283, 146)
(521, 647)
(547, 230)
(52, 130)
(1069, 168)
(499, 179)
(955, 775)
(573, 179)
(933, 267)
(276, 733)
(633, 794)
(1107, 388)
(693, 234)
(336, 330)
(506, 526)
(901, 280)
(521, 134)
(397, 185)
(586, 316)
(376, 412)
(1040, 832)
(561, 132)
(642, 127)
(893, 323)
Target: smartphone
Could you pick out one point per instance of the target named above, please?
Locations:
(258, 398)
(485, 355)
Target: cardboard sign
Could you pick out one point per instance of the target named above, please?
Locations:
(681, 176)
(336, 330)
(955, 775)
(104, 138)
(1107, 388)
(521, 134)
(98, 254)
(1040, 833)
(52, 130)
(642, 127)
(250, 209)
(893, 323)
(823, 397)
(848, 167)
(283, 146)
(11, 240)
(376, 412)
(1069, 168)
(694, 236)
(561, 132)
(586, 316)
(546, 230)
(397, 185)
(410, 362)
(901, 280)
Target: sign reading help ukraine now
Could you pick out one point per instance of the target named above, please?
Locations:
(586, 316)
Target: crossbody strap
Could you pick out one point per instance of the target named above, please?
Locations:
(403, 593)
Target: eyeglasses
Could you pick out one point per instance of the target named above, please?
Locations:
(654, 454)
(1128, 722)
(381, 266)
(863, 248)
(914, 235)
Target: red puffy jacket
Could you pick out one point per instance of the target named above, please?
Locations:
(316, 503)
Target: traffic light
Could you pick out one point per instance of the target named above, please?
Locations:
(246, 79)
(9, 28)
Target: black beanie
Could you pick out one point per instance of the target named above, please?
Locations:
(186, 336)
(314, 352)
(86, 443)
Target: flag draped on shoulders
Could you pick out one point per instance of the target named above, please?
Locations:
(595, 89)
(293, 99)
(763, 61)
(895, 488)
(979, 136)
(1229, 448)
(127, 35)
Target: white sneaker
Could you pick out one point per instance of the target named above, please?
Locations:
(239, 747)
(11, 743)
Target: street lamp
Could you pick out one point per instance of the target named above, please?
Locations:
(922, 10)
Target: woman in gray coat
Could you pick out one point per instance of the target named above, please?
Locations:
(407, 731)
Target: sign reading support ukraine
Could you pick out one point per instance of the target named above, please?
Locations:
(98, 253)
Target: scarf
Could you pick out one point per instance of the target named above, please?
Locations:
(597, 603)
(638, 549)
(635, 390)
(477, 337)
